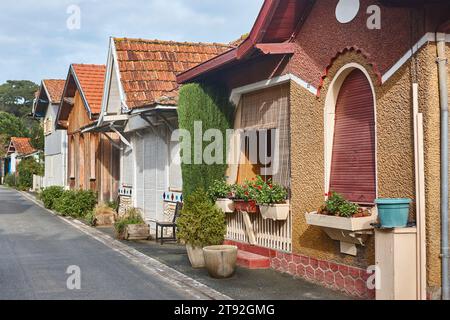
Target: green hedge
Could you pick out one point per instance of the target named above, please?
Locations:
(76, 204)
(211, 105)
(25, 171)
(50, 194)
(10, 180)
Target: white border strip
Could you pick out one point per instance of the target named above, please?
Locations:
(238, 92)
(425, 39)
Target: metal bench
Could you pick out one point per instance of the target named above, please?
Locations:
(165, 225)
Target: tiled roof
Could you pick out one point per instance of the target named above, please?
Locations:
(91, 78)
(55, 89)
(237, 42)
(148, 68)
(22, 146)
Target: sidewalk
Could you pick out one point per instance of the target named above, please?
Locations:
(244, 285)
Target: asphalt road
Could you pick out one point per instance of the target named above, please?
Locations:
(36, 249)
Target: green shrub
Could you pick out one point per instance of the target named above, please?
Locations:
(219, 189)
(211, 106)
(132, 216)
(201, 223)
(76, 204)
(50, 195)
(25, 171)
(10, 180)
(90, 218)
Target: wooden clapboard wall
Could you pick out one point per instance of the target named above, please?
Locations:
(93, 162)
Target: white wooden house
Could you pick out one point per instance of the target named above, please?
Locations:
(55, 151)
(139, 104)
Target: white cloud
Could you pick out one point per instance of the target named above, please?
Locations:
(36, 43)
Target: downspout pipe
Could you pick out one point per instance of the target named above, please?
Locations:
(443, 94)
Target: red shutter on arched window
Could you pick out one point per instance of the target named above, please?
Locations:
(353, 162)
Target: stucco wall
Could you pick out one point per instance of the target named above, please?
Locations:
(430, 106)
(395, 156)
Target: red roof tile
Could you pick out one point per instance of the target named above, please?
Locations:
(22, 146)
(148, 68)
(91, 79)
(55, 89)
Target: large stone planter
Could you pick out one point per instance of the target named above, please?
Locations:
(220, 261)
(226, 205)
(195, 255)
(277, 212)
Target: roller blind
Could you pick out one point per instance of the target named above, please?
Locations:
(353, 159)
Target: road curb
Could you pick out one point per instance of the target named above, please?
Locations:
(153, 267)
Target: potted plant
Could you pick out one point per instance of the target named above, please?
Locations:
(132, 226)
(220, 193)
(244, 198)
(200, 224)
(271, 199)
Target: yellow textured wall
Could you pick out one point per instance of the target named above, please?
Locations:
(430, 106)
(395, 156)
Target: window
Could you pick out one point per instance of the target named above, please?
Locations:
(93, 155)
(353, 169)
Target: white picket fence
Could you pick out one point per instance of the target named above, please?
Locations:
(270, 234)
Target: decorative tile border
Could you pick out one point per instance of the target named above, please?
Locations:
(347, 279)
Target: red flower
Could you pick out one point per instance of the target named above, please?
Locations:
(270, 186)
(259, 187)
(246, 193)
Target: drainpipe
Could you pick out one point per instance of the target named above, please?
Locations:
(443, 93)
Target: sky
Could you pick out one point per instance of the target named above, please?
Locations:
(39, 39)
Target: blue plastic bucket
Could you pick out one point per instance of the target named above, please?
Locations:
(393, 213)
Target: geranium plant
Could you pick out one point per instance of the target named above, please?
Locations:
(268, 193)
(245, 192)
(337, 205)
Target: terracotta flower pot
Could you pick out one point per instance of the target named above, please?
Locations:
(226, 205)
(220, 261)
(247, 206)
(195, 255)
(277, 212)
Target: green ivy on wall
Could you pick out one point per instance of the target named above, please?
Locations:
(211, 106)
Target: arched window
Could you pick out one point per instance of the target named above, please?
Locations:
(353, 167)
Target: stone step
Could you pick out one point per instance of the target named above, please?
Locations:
(250, 260)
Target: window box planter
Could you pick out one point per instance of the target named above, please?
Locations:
(348, 231)
(246, 206)
(226, 205)
(277, 212)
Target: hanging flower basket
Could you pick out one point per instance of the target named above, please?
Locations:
(247, 206)
(277, 212)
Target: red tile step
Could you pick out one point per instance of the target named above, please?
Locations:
(250, 260)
